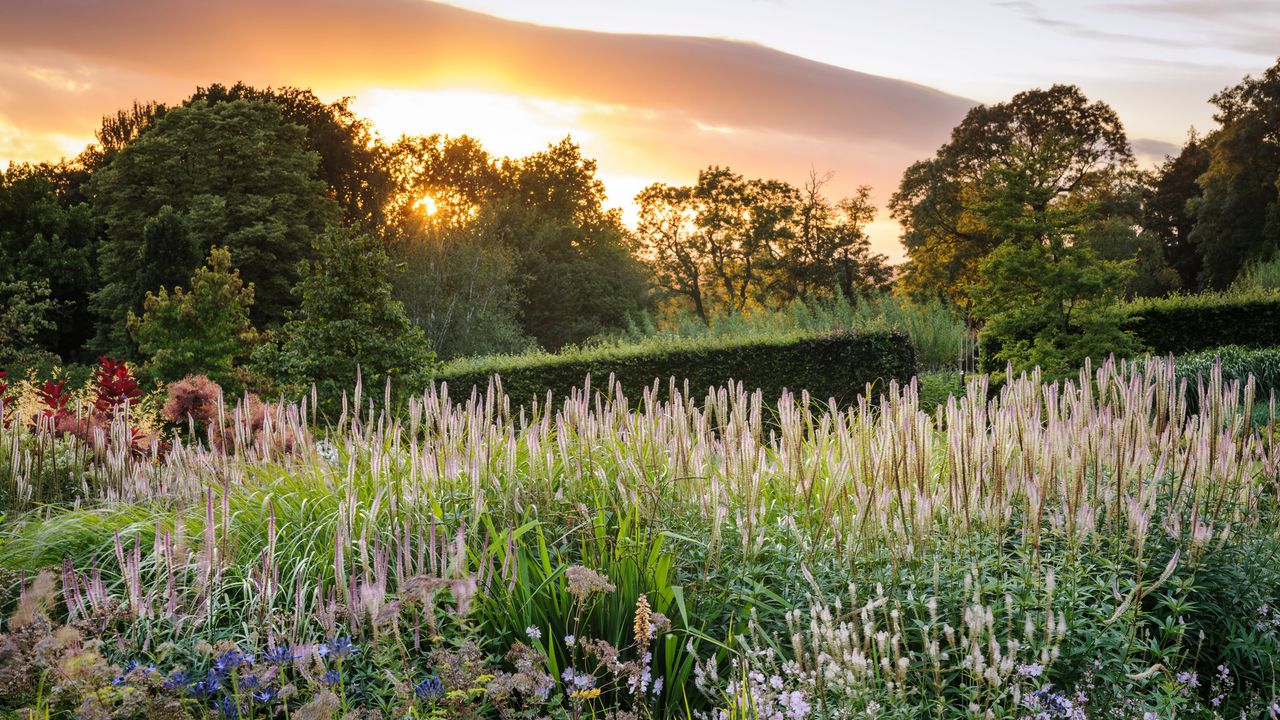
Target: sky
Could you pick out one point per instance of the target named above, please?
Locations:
(653, 90)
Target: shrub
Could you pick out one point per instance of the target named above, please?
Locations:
(1181, 324)
(1186, 323)
(835, 365)
(348, 324)
(204, 330)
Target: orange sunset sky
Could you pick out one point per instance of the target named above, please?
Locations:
(653, 90)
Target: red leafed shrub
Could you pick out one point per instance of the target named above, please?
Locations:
(6, 402)
(195, 397)
(54, 397)
(114, 386)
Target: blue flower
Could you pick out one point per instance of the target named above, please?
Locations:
(228, 707)
(266, 695)
(332, 677)
(279, 655)
(429, 689)
(128, 668)
(249, 682)
(228, 661)
(206, 688)
(176, 679)
(339, 647)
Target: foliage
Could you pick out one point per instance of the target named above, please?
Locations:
(1238, 217)
(459, 286)
(1186, 323)
(1258, 277)
(234, 174)
(351, 157)
(727, 244)
(26, 311)
(47, 237)
(1181, 324)
(1167, 211)
(347, 325)
(577, 275)
(937, 333)
(204, 330)
(941, 201)
(1046, 295)
(835, 365)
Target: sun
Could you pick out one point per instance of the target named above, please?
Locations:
(427, 205)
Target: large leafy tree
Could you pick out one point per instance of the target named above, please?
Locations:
(347, 323)
(1045, 293)
(940, 202)
(201, 331)
(576, 274)
(1238, 217)
(47, 238)
(1166, 208)
(235, 174)
(352, 160)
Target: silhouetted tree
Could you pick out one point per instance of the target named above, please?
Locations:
(1166, 213)
(1238, 217)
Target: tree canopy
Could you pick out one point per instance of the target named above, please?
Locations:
(945, 229)
(234, 174)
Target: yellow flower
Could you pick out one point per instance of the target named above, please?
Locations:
(587, 694)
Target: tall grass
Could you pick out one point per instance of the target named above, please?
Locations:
(1111, 481)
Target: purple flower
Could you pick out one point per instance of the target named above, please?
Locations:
(176, 679)
(339, 647)
(281, 655)
(429, 689)
(266, 695)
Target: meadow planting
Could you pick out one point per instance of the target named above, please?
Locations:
(1099, 547)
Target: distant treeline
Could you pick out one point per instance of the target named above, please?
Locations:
(272, 239)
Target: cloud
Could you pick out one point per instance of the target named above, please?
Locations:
(648, 102)
(1154, 152)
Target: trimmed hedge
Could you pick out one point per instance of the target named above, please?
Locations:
(837, 365)
(1186, 323)
(1180, 324)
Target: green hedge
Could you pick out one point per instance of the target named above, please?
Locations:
(1180, 324)
(835, 365)
(1186, 323)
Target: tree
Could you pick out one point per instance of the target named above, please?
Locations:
(460, 289)
(1238, 217)
(47, 237)
(236, 175)
(347, 323)
(455, 174)
(167, 254)
(1045, 293)
(352, 162)
(945, 233)
(671, 246)
(577, 276)
(829, 252)
(204, 331)
(1166, 208)
(26, 311)
(728, 244)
